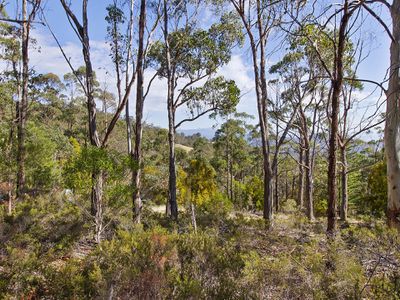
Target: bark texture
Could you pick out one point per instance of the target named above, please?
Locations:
(172, 205)
(309, 184)
(193, 211)
(137, 155)
(300, 191)
(337, 83)
(97, 176)
(392, 127)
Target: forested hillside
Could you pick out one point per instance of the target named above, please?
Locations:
(296, 196)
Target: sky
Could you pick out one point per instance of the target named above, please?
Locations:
(46, 57)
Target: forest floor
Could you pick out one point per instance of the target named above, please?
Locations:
(48, 252)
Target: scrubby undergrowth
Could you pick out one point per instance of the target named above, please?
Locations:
(47, 254)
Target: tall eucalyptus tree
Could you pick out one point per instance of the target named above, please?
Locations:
(81, 29)
(26, 23)
(188, 58)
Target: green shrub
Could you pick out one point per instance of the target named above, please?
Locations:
(320, 207)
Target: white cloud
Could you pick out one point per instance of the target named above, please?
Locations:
(238, 71)
(241, 72)
(45, 57)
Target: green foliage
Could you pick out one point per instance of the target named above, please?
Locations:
(237, 259)
(197, 184)
(320, 187)
(194, 55)
(375, 199)
(90, 160)
(378, 247)
(9, 42)
(43, 167)
(202, 148)
(255, 192)
(320, 207)
(115, 19)
(196, 50)
(209, 268)
(147, 257)
(39, 231)
(200, 181)
(218, 94)
(46, 241)
(234, 157)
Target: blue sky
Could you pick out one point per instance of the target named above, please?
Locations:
(47, 58)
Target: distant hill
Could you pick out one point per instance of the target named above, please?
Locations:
(183, 147)
(205, 132)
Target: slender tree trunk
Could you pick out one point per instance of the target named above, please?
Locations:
(172, 205)
(267, 213)
(300, 195)
(10, 143)
(194, 223)
(337, 83)
(308, 162)
(276, 194)
(309, 183)
(97, 183)
(262, 112)
(97, 176)
(82, 31)
(228, 194)
(128, 129)
(137, 201)
(231, 179)
(111, 291)
(10, 202)
(293, 187)
(97, 205)
(105, 111)
(259, 70)
(23, 105)
(286, 186)
(332, 194)
(275, 167)
(344, 185)
(129, 56)
(392, 127)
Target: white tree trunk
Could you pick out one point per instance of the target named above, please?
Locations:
(194, 223)
(392, 128)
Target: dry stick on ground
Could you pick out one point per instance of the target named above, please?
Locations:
(370, 276)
